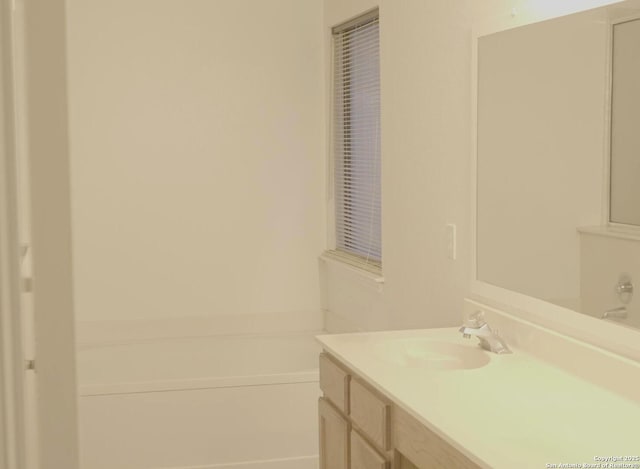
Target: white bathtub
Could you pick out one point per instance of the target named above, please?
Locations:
(226, 402)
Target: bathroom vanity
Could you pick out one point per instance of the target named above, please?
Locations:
(361, 428)
(555, 254)
(431, 399)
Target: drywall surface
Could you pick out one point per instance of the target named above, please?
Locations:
(502, 14)
(425, 73)
(426, 145)
(197, 156)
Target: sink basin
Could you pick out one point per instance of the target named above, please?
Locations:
(431, 354)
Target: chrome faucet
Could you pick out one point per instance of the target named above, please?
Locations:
(478, 327)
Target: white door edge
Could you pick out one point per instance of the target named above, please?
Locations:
(12, 422)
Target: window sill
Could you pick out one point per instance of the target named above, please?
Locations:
(370, 272)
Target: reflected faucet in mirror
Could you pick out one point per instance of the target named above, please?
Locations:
(616, 313)
(624, 290)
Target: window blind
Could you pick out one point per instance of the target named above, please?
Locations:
(356, 138)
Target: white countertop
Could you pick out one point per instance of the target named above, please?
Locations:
(514, 412)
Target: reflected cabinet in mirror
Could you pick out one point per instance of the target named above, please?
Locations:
(558, 113)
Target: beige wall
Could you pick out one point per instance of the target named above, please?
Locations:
(197, 156)
(425, 70)
(190, 140)
(426, 107)
(511, 13)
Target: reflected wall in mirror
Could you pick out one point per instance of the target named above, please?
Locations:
(625, 117)
(542, 132)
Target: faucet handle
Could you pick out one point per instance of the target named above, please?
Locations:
(476, 319)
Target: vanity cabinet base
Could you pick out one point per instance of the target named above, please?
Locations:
(424, 447)
(360, 428)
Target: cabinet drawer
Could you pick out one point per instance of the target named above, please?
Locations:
(370, 412)
(334, 382)
(363, 456)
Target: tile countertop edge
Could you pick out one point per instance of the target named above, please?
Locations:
(398, 401)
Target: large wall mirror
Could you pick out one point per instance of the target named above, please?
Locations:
(558, 162)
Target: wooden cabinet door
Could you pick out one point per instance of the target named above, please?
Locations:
(363, 456)
(403, 463)
(334, 437)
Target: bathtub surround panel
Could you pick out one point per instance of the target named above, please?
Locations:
(178, 429)
(196, 362)
(179, 404)
(197, 156)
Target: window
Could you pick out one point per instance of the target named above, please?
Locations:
(356, 140)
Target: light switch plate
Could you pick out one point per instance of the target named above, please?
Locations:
(451, 241)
